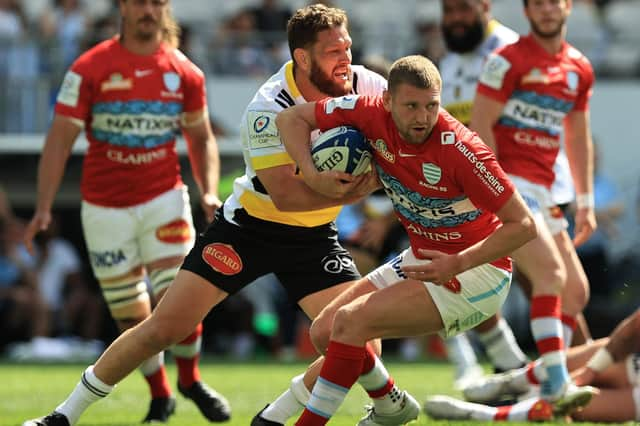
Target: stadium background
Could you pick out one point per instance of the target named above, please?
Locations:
(32, 65)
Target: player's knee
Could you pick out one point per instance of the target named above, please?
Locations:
(319, 333)
(346, 323)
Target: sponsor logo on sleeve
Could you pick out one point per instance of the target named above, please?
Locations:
(494, 71)
(174, 232)
(70, 89)
(344, 102)
(262, 130)
(222, 258)
(480, 169)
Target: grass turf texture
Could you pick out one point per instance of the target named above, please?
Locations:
(29, 391)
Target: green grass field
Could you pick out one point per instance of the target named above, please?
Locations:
(28, 391)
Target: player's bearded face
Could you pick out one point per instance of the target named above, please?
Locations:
(143, 22)
(462, 37)
(334, 82)
(414, 111)
(547, 22)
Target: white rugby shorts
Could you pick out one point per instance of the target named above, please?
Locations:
(481, 292)
(540, 202)
(119, 239)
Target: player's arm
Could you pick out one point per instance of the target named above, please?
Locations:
(579, 148)
(295, 125)
(290, 193)
(623, 341)
(204, 158)
(485, 112)
(518, 227)
(57, 147)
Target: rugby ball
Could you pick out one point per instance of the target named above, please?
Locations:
(344, 149)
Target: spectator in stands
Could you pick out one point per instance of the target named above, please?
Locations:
(238, 48)
(23, 314)
(74, 307)
(66, 24)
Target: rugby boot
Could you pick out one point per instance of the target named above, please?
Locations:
(409, 410)
(492, 388)
(258, 420)
(160, 410)
(213, 406)
(571, 398)
(53, 419)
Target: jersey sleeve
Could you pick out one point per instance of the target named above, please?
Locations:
(586, 87)
(369, 83)
(356, 111)
(480, 175)
(195, 92)
(261, 139)
(76, 91)
(499, 76)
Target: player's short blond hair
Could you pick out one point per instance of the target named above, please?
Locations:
(303, 27)
(415, 70)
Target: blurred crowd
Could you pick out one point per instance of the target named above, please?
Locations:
(246, 39)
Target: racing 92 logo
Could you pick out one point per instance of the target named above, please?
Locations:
(336, 263)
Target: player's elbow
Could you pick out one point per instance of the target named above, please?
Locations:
(528, 228)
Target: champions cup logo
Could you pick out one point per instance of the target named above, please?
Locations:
(177, 231)
(222, 258)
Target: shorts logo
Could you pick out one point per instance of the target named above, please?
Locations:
(453, 285)
(106, 259)
(222, 258)
(336, 263)
(177, 231)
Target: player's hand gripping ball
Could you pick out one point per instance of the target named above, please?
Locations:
(344, 149)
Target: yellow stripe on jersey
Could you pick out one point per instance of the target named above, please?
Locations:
(268, 161)
(263, 208)
(291, 82)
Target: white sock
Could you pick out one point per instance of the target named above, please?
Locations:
(502, 347)
(567, 335)
(375, 379)
(460, 352)
(289, 403)
(151, 365)
(89, 390)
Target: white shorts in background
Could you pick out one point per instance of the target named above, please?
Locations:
(482, 291)
(541, 204)
(119, 239)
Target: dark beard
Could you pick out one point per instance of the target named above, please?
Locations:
(549, 34)
(472, 37)
(326, 84)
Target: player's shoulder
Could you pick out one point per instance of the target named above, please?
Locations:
(503, 35)
(579, 58)
(450, 127)
(367, 82)
(273, 95)
(98, 54)
(182, 62)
